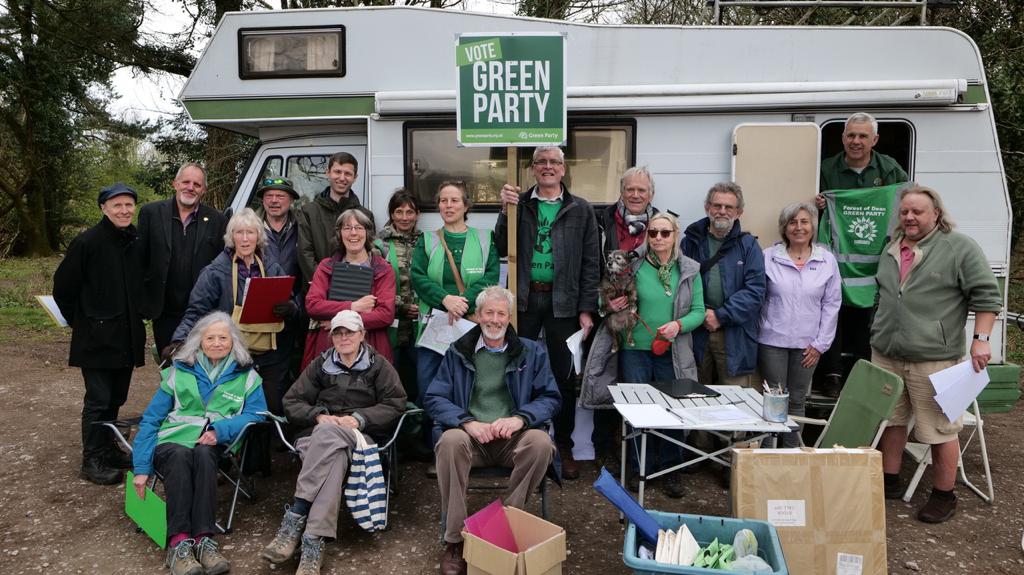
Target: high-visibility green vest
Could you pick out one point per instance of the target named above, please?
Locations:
(472, 266)
(856, 225)
(189, 417)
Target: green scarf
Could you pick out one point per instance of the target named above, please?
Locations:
(664, 271)
(213, 371)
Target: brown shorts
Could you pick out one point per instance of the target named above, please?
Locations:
(918, 400)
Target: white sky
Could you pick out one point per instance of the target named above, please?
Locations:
(154, 96)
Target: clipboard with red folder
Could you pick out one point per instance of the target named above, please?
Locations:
(261, 294)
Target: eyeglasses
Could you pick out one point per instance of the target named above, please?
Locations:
(343, 333)
(665, 234)
(353, 229)
(545, 163)
(723, 207)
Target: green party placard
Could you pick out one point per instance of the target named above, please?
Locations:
(511, 89)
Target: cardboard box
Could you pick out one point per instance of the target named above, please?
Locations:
(828, 506)
(540, 544)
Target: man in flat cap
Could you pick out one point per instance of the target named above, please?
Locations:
(97, 287)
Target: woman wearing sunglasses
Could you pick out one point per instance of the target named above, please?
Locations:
(670, 305)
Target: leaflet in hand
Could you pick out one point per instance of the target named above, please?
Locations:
(438, 335)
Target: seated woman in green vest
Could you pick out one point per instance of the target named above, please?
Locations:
(204, 401)
(450, 267)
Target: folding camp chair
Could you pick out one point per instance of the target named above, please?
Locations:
(922, 454)
(388, 452)
(862, 410)
(235, 462)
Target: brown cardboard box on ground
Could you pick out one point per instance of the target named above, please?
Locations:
(828, 506)
(541, 548)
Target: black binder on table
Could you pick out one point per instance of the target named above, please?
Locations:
(349, 282)
(683, 389)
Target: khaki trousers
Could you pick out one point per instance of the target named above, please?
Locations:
(325, 455)
(528, 453)
(714, 363)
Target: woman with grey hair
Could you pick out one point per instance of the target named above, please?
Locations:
(205, 400)
(221, 287)
(356, 232)
(801, 306)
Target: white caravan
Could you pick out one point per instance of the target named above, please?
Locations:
(696, 105)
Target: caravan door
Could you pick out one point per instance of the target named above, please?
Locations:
(776, 165)
(304, 165)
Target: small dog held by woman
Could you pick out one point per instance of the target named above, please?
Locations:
(619, 281)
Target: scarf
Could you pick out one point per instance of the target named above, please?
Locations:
(635, 224)
(213, 371)
(664, 271)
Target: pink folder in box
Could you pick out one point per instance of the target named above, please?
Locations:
(491, 525)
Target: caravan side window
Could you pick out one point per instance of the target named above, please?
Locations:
(596, 154)
(896, 138)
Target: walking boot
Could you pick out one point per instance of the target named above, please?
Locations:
(287, 539)
(312, 555)
(117, 459)
(210, 558)
(452, 562)
(94, 470)
(181, 559)
(941, 507)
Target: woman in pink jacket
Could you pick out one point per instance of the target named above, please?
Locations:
(377, 309)
(798, 318)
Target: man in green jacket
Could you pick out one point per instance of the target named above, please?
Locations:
(929, 278)
(318, 218)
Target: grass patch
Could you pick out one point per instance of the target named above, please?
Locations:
(21, 317)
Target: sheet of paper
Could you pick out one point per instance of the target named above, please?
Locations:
(575, 344)
(715, 416)
(438, 335)
(956, 387)
(50, 305)
(150, 514)
(648, 415)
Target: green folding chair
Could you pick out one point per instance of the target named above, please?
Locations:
(863, 409)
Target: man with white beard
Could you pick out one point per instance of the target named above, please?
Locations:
(732, 268)
(489, 401)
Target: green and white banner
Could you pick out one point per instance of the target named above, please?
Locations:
(511, 89)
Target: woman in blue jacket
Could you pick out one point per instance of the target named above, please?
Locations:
(205, 400)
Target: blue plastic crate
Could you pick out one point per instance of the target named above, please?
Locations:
(705, 529)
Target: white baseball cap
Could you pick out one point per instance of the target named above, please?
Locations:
(347, 319)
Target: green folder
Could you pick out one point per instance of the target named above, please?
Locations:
(150, 514)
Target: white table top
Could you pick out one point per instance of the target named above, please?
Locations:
(744, 398)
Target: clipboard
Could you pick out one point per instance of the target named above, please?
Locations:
(349, 282)
(50, 305)
(684, 389)
(260, 296)
(150, 514)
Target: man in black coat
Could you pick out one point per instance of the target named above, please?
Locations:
(97, 288)
(179, 237)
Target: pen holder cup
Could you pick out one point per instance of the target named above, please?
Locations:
(775, 408)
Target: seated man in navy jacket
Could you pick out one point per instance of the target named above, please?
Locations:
(488, 401)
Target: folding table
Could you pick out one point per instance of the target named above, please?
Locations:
(747, 399)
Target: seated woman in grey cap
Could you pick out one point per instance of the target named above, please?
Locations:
(347, 387)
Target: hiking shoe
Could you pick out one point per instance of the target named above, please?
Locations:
(287, 539)
(938, 509)
(312, 555)
(674, 486)
(181, 560)
(452, 562)
(96, 471)
(893, 486)
(210, 558)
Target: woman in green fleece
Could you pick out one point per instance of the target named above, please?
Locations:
(670, 304)
(450, 266)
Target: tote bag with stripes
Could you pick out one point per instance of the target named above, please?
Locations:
(365, 492)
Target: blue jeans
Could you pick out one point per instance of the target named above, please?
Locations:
(641, 366)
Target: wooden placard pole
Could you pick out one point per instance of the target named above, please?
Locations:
(513, 232)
